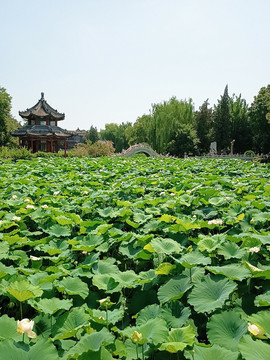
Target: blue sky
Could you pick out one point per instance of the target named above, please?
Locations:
(103, 61)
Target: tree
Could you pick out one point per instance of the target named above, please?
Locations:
(168, 118)
(92, 134)
(184, 141)
(203, 124)
(240, 128)
(5, 107)
(259, 114)
(117, 134)
(222, 123)
(140, 131)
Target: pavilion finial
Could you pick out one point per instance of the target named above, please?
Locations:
(42, 95)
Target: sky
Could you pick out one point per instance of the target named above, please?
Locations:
(108, 61)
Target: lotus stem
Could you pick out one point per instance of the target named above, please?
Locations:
(142, 352)
(51, 324)
(107, 316)
(137, 352)
(248, 284)
(21, 310)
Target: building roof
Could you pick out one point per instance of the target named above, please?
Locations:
(41, 110)
(41, 130)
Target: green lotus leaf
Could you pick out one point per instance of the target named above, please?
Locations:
(133, 224)
(105, 267)
(148, 313)
(102, 354)
(69, 323)
(226, 329)
(145, 277)
(73, 286)
(24, 290)
(174, 289)
(105, 282)
(154, 330)
(192, 259)
(9, 350)
(164, 269)
(217, 201)
(102, 229)
(178, 339)
(6, 270)
(183, 226)
(254, 349)
(152, 225)
(208, 243)
(88, 342)
(62, 220)
(43, 349)
(231, 271)
(4, 248)
(166, 246)
(167, 218)
(19, 257)
(141, 218)
(195, 273)
(50, 306)
(261, 318)
(13, 239)
(59, 230)
(43, 324)
(263, 299)
(213, 353)
(175, 314)
(88, 243)
(231, 250)
(210, 293)
(258, 272)
(111, 316)
(107, 212)
(126, 278)
(8, 329)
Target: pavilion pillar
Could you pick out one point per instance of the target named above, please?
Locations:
(51, 145)
(65, 145)
(37, 145)
(32, 148)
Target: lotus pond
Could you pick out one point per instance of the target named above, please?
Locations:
(117, 258)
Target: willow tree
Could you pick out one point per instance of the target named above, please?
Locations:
(167, 118)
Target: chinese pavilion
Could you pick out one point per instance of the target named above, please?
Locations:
(42, 132)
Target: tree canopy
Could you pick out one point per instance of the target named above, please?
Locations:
(7, 122)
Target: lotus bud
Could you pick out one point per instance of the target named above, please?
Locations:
(136, 337)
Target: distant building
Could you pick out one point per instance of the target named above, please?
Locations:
(42, 132)
(78, 136)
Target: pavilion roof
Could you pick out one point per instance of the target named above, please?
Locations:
(41, 130)
(41, 110)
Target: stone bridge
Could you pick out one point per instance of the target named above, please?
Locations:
(140, 149)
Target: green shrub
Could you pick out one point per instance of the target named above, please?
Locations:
(99, 148)
(15, 154)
